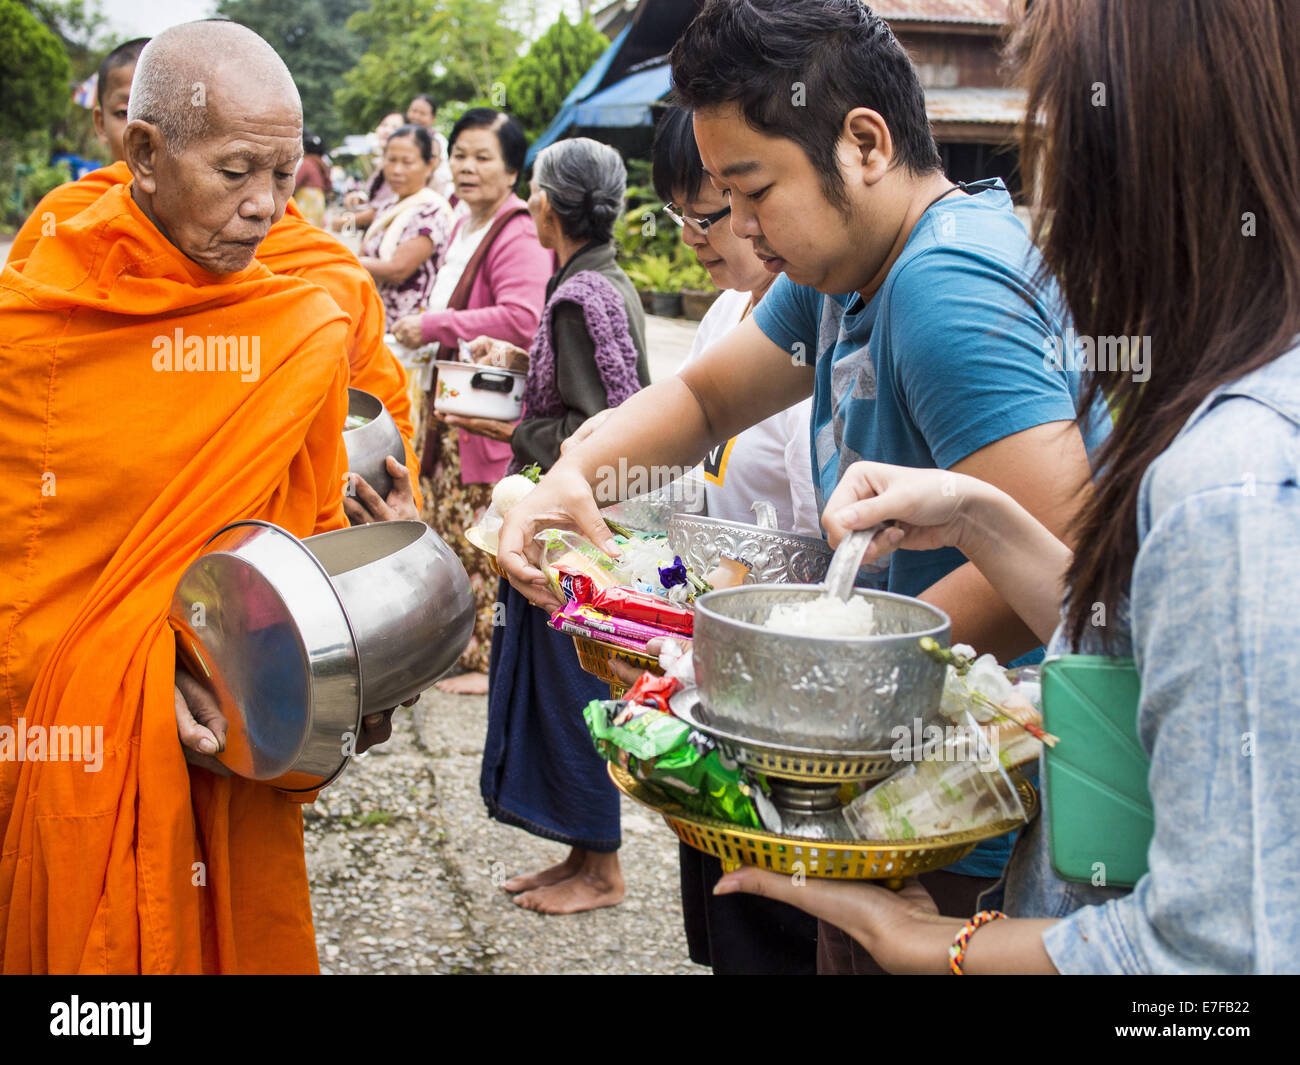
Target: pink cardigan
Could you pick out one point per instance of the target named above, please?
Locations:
(505, 302)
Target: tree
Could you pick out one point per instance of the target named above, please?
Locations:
(313, 39)
(451, 49)
(538, 83)
(35, 76)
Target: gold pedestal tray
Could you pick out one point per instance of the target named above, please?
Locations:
(794, 763)
(888, 861)
(475, 538)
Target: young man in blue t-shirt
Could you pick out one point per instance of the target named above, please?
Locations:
(810, 117)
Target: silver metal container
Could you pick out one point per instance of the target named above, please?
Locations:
(777, 557)
(298, 639)
(258, 621)
(816, 692)
(409, 601)
(370, 444)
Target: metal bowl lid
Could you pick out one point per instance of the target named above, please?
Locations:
(258, 619)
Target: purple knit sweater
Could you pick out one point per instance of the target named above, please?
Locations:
(616, 356)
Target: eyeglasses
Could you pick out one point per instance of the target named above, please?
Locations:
(702, 224)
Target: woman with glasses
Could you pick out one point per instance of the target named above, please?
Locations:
(768, 461)
(540, 771)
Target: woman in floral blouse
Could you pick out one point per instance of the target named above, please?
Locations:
(401, 246)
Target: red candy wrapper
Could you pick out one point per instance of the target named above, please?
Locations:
(653, 691)
(643, 607)
(575, 586)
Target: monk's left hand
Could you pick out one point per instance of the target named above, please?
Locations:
(378, 728)
(200, 725)
(369, 506)
(887, 923)
(481, 426)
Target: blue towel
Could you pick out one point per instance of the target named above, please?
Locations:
(541, 771)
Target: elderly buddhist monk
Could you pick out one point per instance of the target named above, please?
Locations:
(128, 441)
(293, 247)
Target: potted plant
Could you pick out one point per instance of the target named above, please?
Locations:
(696, 286)
(655, 274)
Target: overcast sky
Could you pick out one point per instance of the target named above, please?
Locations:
(143, 18)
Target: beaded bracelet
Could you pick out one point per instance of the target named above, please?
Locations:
(957, 952)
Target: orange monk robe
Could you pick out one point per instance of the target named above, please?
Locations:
(118, 467)
(296, 248)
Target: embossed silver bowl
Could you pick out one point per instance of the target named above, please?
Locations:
(816, 692)
(777, 557)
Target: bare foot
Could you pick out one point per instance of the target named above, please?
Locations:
(560, 871)
(464, 684)
(584, 891)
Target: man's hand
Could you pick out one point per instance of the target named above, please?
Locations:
(489, 427)
(584, 430)
(200, 725)
(561, 500)
(487, 351)
(407, 331)
(368, 507)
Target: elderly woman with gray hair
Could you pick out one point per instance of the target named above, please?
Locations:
(540, 771)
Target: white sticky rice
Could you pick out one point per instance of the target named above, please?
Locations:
(827, 615)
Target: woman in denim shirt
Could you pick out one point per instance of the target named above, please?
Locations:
(1173, 216)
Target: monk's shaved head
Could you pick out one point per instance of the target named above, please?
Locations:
(213, 140)
(189, 72)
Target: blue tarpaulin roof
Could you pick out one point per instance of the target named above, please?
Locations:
(627, 102)
(623, 104)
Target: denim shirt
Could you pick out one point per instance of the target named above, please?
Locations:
(1213, 624)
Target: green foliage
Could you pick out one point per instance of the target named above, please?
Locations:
(538, 82)
(25, 176)
(451, 49)
(35, 75)
(313, 39)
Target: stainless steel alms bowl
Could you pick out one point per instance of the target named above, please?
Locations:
(777, 557)
(370, 444)
(816, 692)
(299, 638)
(409, 601)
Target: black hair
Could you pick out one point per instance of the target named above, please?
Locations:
(677, 167)
(124, 55)
(433, 104)
(795, 68)
(585, 182)
(510, 134)
(421, 136)
(312, 144)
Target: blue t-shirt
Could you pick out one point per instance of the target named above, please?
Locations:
(953, 352)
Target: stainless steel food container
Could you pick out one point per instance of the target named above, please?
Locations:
(777, 557)
(408, 599)
(816, 692)
(298, 639)
(370, 444)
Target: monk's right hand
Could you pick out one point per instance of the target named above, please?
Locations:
(561, 500)
(584, 430)
(200, 725)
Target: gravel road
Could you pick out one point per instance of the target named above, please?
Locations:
(405, 866)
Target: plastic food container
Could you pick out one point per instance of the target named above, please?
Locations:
(476, 391)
